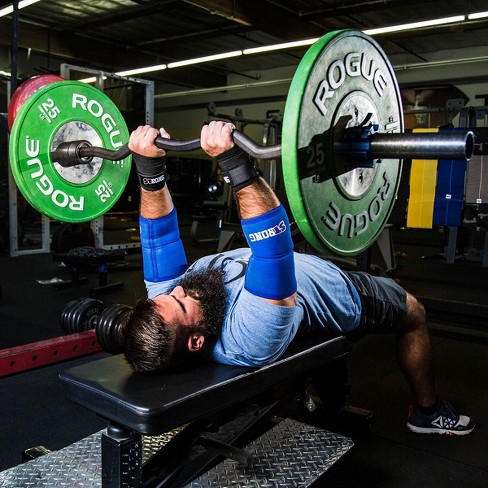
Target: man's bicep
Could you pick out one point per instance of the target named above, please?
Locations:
(262, 329)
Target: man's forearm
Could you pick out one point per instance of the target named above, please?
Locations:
(156, 204)
(256, 199)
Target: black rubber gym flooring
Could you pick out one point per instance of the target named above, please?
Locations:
(35, 412)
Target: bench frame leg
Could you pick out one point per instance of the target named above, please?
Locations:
(121, 458)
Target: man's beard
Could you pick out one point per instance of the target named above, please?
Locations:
(208, 288)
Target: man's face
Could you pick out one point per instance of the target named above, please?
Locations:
(197, 303)
(178, 308)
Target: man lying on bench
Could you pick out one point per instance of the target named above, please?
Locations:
(245, 306)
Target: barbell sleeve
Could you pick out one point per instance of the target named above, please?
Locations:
(407, 145)
(423, 145)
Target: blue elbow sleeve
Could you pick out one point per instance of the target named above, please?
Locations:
(163, 255)
(271, 270)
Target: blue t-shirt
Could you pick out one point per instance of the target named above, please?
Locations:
(256, 332)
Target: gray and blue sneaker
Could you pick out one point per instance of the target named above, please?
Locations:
(444, 421)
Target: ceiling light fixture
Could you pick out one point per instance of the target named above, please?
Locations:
(478, 15)
(279, 47)
(92, 79)
(23, 3)
(137, 71)
(415, 25)
(205, 59)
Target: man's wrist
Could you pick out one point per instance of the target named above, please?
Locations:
(150, 171)
(238, 168)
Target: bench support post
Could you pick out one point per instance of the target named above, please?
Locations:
(121, 458)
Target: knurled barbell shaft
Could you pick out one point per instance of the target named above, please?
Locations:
(409, 145)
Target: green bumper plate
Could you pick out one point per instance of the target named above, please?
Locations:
(343, 76)
(62, 112)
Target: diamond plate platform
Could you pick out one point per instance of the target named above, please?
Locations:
(291, 454)
(78, 465)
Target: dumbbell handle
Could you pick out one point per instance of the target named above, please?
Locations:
(422, 145)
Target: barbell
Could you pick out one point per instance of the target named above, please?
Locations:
(356, 147)
(342, 144)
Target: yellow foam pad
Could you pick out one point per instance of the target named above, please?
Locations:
(423, 176)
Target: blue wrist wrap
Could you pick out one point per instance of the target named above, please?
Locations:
(163, 255)
(271, 269)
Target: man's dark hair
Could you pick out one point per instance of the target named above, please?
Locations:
(149, 343)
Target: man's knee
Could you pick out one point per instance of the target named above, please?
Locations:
(416, 316)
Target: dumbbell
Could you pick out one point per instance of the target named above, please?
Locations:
(87, 314)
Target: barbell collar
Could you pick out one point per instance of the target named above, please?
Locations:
(69, 154)
(73, 153)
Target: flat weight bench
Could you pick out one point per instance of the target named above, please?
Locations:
(137, 404)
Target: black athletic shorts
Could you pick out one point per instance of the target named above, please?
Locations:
(384, 304)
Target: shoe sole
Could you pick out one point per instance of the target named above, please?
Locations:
(425, 430)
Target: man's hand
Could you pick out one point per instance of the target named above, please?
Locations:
(142, 141)
(216, 137)
(238, 168)
(148, 158)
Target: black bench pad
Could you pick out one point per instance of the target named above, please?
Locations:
(152, 405)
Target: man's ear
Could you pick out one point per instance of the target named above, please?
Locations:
(195, 342)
